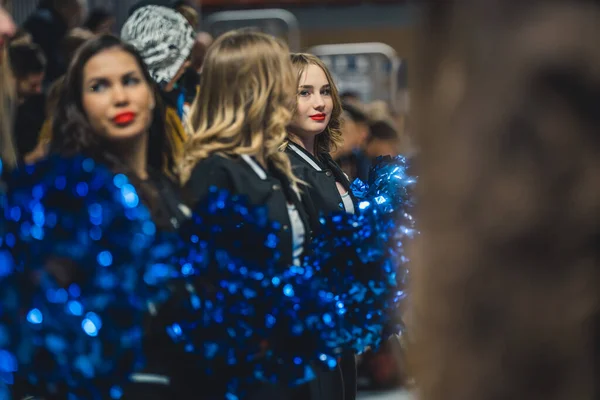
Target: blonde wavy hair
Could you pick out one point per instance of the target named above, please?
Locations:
(8, 153)
(244, 102)
(328, 140)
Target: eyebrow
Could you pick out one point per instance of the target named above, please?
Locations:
(104, 78)
(312, 87)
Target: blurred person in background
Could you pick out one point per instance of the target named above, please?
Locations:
(164, 39)
(188, 12)
(355, 128)
(188, 85)
(369, 131)
(48, 25)
(507, 264)
(355, 132)
(384, 135)
(8, 154)
(350, 97)
(28, 65)
(383, 140)
(71, 43)
(100, 21)
(203, 41)
(191, 78)
(21, 37)
(378, 109)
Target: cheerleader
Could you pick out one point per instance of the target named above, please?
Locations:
(239, 120)
(312, 134)
(109, 112)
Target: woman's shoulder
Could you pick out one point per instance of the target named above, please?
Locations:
(216, 162)
(299, 166)
(295, 159)
(215, 170)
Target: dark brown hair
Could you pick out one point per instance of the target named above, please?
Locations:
(72, 132)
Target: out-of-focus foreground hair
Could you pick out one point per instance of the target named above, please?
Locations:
(507, 267)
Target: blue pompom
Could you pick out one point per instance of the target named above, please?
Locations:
(361, 258)
(346, 295)
(224, 295)
(78, 238)
(240, 309)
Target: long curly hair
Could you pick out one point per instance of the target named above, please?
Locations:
(328, 140)
(72, 132)
(244, 102)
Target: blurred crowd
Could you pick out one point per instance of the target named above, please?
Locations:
(40, 52)
(43, 46)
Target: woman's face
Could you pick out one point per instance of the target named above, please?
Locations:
(116, 98)
(314, 103)
(7, 27)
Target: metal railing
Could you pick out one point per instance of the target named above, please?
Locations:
(369, 69)
(277, 22)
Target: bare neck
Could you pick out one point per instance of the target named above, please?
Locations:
(135, 156)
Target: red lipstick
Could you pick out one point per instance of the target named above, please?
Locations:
(318, 117)
(124, 118)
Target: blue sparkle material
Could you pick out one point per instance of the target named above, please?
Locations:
(236, 303)
(82, 232)
(35, 316)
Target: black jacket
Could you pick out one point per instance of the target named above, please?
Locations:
(237, 177)
(321, 196)
(172, 374)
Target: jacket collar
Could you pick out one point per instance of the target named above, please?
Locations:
(306, 156)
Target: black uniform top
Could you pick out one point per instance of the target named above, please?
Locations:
(238, 177)
(320, 196)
